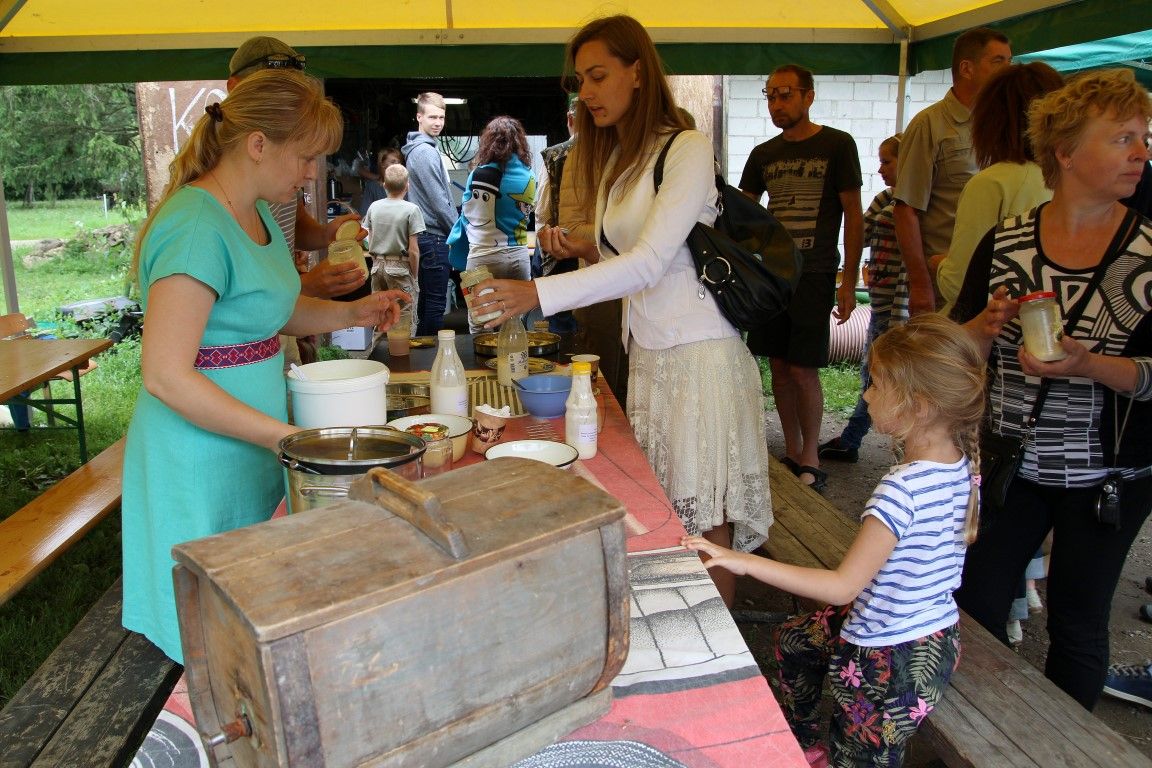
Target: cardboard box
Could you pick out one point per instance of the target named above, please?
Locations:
(356, 339)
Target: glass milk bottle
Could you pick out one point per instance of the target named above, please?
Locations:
(511, 352)
(449, 387)
(580, 427)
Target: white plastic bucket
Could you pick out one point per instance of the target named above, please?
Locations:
(339, 393)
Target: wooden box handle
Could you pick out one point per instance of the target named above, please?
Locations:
(409, 502)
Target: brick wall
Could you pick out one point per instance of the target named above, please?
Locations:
(862, 105)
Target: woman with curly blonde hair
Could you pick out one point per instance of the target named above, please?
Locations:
(1086, 473)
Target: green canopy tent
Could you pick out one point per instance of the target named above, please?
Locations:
(1133, 51)
(62, 41)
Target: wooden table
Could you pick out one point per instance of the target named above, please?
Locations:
(690, 692)
(27, 363)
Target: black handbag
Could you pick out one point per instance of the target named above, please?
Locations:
(747, 261)
(1000, 458)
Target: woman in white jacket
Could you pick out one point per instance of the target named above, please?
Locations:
(694, 394)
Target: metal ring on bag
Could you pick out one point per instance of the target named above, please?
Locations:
(708, 278)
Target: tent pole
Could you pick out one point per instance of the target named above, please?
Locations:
(11, 300)
(902, 85)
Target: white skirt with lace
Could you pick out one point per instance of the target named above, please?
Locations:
(697, 411)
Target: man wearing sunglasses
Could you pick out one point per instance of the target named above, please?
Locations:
(812, 176)
(301, 230)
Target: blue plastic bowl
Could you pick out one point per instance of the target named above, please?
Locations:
(543, 395)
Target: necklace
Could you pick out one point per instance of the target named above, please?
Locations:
(225, 193)
(253, 230)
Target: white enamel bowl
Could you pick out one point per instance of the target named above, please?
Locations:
(557, 454)
(459, 428)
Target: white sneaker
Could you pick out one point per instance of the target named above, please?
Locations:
(1015, 633)
(1034, 603)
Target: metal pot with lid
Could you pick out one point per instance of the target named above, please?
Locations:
(321, 464)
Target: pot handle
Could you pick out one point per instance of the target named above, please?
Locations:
(411, 503)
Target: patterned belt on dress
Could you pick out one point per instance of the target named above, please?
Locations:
(232, 355)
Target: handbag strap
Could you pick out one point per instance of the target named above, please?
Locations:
(657, 179)
(1115, 248)
(658, 170)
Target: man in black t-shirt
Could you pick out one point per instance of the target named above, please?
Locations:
(812, 176)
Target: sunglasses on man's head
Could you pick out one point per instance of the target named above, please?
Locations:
(277, 61)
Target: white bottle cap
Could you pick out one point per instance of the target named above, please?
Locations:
(446, 333)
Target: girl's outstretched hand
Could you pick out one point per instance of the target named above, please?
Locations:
(718, 556)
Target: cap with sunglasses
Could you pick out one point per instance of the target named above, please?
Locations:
(265, 53)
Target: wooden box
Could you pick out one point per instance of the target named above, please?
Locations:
(468, 619)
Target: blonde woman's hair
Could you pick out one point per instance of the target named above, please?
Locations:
(1057, 120)
(653, 109)
(931, 361)
(892, 143)
(287, 106)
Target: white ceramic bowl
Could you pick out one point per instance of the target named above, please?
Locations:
(557, 454)
(459, 428)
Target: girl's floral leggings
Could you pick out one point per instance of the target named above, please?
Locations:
(880, 695)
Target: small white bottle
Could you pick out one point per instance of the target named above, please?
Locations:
(449, 387)
(580, 427)
(511, 352)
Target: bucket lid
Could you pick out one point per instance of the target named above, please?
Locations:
(336, 377)
(350, 450)
(1037, 296)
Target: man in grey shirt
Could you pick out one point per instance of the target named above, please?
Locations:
(936, 161)
(428, 188)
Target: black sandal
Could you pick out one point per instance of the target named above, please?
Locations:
(792, 466)
(819, 477)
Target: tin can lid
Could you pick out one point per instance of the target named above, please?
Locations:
(428, 430)
(1038, 295)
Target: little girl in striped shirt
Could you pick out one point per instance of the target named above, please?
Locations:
(888, 641)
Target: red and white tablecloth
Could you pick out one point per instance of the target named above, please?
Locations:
(690, 693)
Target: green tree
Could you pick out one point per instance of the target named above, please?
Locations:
(70, 140)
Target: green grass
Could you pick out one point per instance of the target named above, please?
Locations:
(34, 622)
(841, 384)
(62, 219)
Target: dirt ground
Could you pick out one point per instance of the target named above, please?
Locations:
(850, 485)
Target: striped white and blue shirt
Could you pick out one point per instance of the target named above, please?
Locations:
(924, 503)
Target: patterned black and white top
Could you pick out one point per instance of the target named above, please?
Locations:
(1066, 449)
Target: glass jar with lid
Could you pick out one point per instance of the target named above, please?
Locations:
(1042, 326)
(469, 278)
(437, 446)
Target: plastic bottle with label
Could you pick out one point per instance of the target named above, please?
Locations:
(511, 352)
(448, 385)
(580, 423)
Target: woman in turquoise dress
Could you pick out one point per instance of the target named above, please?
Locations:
(218, 285)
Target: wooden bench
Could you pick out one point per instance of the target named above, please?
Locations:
(93, 701)
(999, 710)
(35, 535)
